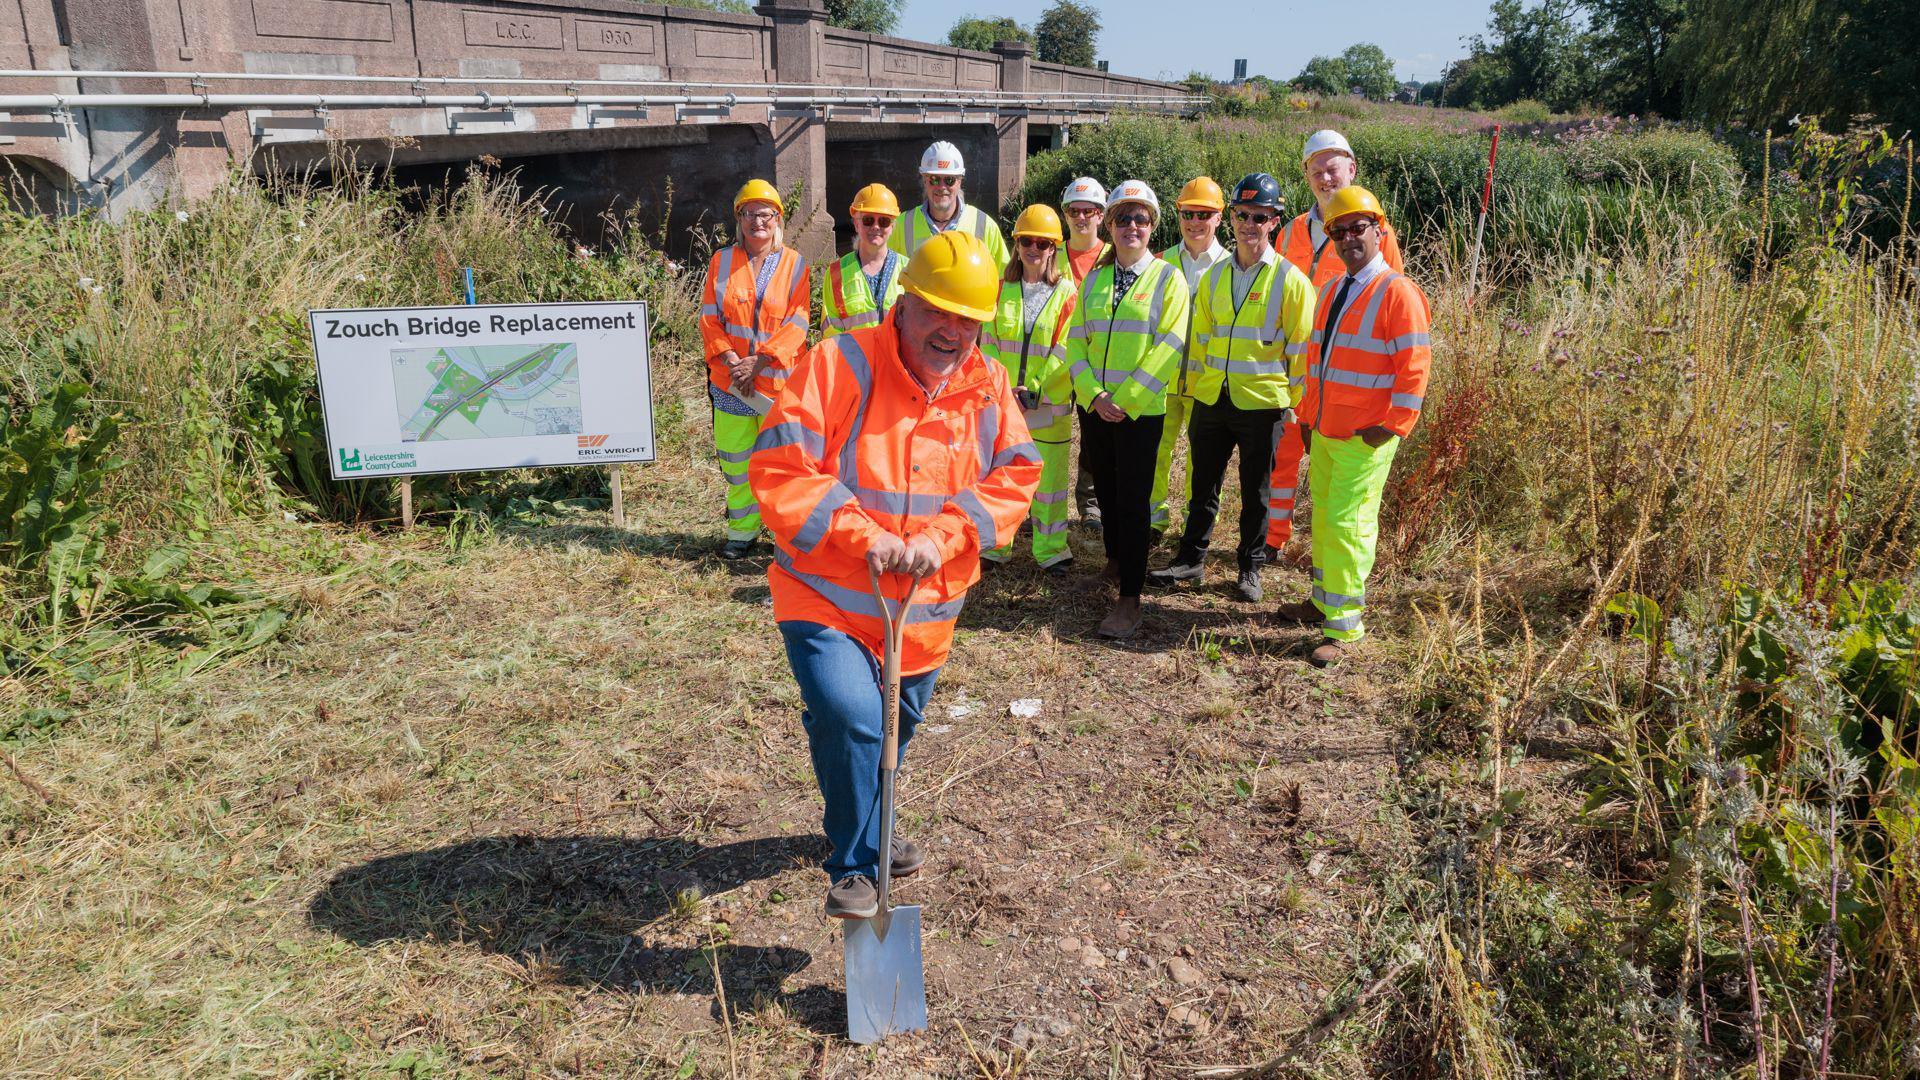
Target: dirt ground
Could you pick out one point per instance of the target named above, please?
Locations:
(539, 803)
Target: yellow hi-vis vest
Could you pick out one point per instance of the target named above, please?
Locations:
(1231, 345)
(1128, 345)
(1035, 359)
(915, 227)
(848, 302)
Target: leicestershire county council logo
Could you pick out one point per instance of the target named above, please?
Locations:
(349, 464)
(590, 440)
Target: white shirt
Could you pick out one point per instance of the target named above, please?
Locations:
(1139, 267)
(1193, 266)
(1243, 276)
(1365, 275)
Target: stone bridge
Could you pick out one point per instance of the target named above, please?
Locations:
(609, 104)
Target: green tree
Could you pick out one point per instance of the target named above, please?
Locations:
(1475, 82)
(1540, 52)
(1369, 71)
(973, 32)
(1765, 61)
(1323, 75)
(1631, 42)
(1067, 34)
(866, 16)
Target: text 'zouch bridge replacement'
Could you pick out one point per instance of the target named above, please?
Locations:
(116, 103)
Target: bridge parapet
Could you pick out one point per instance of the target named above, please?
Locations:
(102, 103)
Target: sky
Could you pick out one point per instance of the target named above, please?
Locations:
(1155, 38)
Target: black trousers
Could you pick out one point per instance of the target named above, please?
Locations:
(1121, 455)
(1214, 433)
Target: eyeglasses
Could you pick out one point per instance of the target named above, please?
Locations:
(760, 217)
(1082, 211)
(943, 181)
(1253, 219)
(1040, 242)
(1140, 218)
(873, 221)
(1358, 228)
(1197, 215)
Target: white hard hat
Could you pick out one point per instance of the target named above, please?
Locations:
(943, 159)
(1324, 139)
(1134, 191)
(1085, 189)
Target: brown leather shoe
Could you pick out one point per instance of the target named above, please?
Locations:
(1123, 620)
(1111, 572)
(1331, 652)
(1299, 613)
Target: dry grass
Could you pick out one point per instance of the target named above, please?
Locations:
(542, 806)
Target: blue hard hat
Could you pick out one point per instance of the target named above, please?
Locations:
(1258, 189)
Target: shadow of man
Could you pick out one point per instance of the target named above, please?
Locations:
(580, 907)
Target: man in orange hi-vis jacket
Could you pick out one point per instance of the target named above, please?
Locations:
(897, 449)
(1366, 380)
(1328, 161)
(753, 323)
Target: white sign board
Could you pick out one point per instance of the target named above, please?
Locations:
(406, 391)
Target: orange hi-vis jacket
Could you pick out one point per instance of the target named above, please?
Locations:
(1323, 264)
(733, 315)
(1371, 369)
(853, 448)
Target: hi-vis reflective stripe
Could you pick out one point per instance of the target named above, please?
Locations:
(969, 503)
(814, 529)
(865, 604)
(978, 225)
(1407, 401)
(792, 433)
(1344, 377)
(1334, 599)
(1256, 367)
(1341, 622)
(854, 322)
(1025, 451)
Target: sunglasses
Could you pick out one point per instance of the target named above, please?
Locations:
(1253, 219)
(1141, 219)
(1082, 211)
(1197, 215)
(943, 181)
(873, 221)
(1039, 242)
(1342, 232)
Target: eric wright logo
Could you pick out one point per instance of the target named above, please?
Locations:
(590, 440)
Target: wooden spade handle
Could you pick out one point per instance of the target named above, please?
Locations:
(893, 626)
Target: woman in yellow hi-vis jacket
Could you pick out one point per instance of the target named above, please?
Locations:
(866, 281)
(1124, 346)
(1028, 337)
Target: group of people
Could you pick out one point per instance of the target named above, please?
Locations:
(903, 451)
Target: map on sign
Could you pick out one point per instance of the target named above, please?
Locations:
(487, 391)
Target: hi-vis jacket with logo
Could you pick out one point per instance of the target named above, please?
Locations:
(734, 315)
(915, 227)
(1129, 345)
(1371, 369)
(849, 302)
(1034, 359)
(1236, 345)
(853, 448)
(1305, 244)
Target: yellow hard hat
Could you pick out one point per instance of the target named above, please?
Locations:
(1039, 221)
(954, 272)
(1354, 199)
(1201, 193)
(875, 199)
(758, 191)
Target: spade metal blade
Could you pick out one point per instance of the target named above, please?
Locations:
(886, 985)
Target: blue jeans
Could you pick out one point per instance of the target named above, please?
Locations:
(840, 684)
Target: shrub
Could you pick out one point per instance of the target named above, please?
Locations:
(1164, 153)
